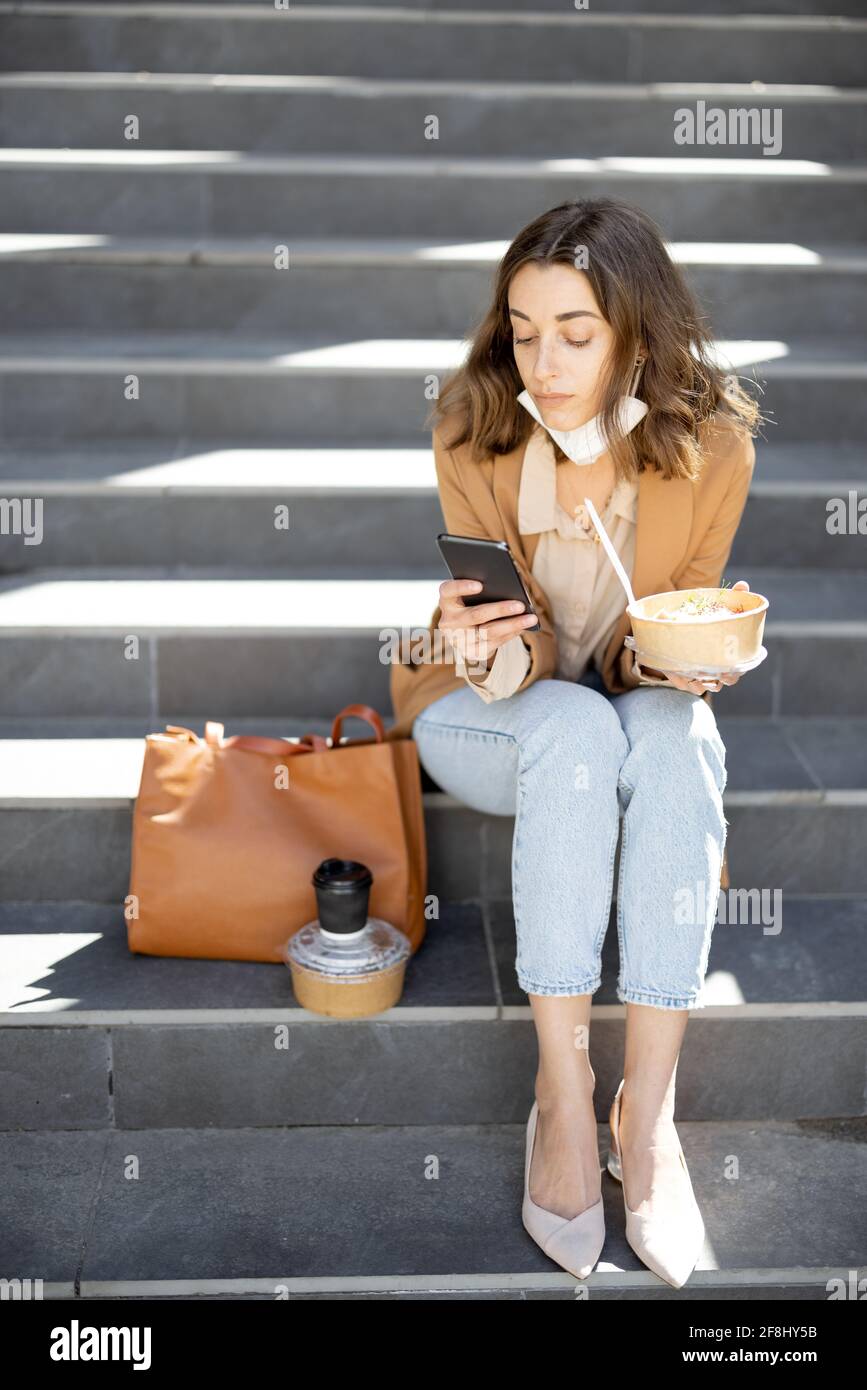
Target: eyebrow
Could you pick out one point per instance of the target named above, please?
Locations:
(573, 314)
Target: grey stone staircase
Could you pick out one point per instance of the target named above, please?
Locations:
(306, 386)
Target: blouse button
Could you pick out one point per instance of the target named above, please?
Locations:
(584, 523)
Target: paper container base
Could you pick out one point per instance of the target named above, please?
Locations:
(342, 997)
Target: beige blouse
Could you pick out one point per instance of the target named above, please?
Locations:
(587, 599)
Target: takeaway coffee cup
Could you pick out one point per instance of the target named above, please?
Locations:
(346, 964)
(342, 894)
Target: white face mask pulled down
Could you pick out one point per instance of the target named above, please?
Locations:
(585, 444)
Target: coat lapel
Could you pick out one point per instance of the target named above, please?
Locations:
(662, 529)
(506, 487)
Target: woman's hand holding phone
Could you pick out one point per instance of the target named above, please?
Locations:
(477, 631)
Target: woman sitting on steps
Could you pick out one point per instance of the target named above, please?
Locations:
(591, 376)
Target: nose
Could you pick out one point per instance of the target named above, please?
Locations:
(545, 367)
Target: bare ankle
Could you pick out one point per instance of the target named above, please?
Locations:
(564, 1092)
(640, 1120)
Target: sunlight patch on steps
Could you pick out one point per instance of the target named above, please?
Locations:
(88, 158)
(70, 770)
(732, 353)
(721, 987)
(139, 606)
(13, 243)
(685, 166)
(26, 958)
(307, 470)
(680, 167)
(742, 253)
(191, 354)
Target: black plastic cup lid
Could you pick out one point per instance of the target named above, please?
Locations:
(342, 876)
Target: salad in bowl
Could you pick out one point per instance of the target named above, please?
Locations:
(691, 629)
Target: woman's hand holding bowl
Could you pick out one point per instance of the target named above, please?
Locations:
(701, 681)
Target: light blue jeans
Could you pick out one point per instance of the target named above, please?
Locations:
(567, 760)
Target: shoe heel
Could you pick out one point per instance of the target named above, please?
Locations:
(614, 1166)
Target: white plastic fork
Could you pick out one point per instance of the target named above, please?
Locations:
(610, 551)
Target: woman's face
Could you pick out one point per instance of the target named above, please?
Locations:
(561, 342)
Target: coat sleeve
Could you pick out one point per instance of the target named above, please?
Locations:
(706, 567)
(462, 519)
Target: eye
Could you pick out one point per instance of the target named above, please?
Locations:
(521, 342)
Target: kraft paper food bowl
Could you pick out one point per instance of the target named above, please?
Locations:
(717, 639)
(348, 996)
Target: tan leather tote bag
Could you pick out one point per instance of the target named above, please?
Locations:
(228, 831)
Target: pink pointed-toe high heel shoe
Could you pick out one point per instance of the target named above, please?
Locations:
(575, 1245)
(670, 1248)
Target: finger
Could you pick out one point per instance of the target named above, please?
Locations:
(478, 643)
(492, 635)
(686, 681)
(507, 627)
(452, 589)
(474, 615)
(741, 584)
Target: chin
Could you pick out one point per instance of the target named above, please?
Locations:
(563, 416)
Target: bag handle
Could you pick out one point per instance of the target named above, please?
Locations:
(309, 743)
(365, 712)
(257, 743)
(191, 737)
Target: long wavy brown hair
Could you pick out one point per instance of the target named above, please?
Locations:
(645, 298)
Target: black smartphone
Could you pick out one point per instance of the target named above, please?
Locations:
(492, 563)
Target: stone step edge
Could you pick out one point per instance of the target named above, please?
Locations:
(207, 83)
(848, 366)
(643, 168)
(97, 487)
(378, 252)
(438, 1014)
(853, 798)
(602, 1281)
(525, 18)
(829, 630)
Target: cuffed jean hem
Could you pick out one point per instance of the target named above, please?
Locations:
(561, 990)
(656, 1001)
